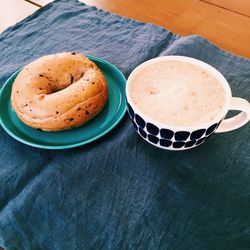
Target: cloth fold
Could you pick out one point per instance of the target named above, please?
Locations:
(120, 192)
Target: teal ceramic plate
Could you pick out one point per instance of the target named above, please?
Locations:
(109, 117)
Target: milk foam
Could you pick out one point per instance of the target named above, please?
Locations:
(177, 93)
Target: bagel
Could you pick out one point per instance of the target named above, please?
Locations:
(59, 92)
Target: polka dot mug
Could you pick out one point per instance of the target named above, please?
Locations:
(171, 137)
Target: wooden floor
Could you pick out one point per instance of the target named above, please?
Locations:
(224, 22)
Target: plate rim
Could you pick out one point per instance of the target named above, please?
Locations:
(73, 145)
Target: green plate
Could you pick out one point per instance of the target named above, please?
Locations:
(106, 120)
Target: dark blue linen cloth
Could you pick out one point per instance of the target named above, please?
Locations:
(120, 192)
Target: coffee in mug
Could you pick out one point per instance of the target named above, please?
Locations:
(176, 102)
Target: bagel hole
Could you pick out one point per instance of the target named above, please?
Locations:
(79, 75)
(54, 90)
(40, 97)
(71, 78)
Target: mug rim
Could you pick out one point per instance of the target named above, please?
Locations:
(221, 79)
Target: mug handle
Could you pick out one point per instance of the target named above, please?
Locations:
(238, 120)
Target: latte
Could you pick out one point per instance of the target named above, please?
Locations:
(177, 93)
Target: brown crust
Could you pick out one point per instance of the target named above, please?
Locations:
(58, 92)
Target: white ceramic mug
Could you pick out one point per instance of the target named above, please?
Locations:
(185, 137)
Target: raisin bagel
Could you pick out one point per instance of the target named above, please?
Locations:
(58, 92)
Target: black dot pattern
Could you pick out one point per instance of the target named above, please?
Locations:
(167, 138)
(178, 144)
(139, 121)
(166, 134)
(131, 112)
(153, 139)
(197, 134)
(181, 135)
(152, 129)
(165, 143)
(211, 129)
(190, 144)
(200, 141)
(142, 133)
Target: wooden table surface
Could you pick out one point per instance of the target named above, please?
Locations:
(224, 22)
(12, 11)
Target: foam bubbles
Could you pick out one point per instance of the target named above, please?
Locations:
(177, 93)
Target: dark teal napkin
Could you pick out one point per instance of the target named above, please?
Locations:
(120, 192)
